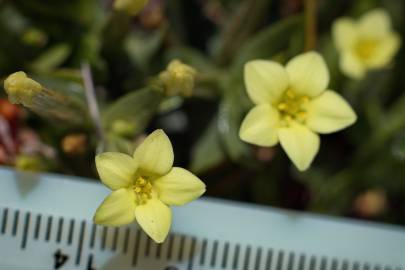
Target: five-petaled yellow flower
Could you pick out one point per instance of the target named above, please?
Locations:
(132, 7)
(369, 43)
(144, 186)
(292, 106)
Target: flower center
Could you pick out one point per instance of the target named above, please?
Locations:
(292, 107)
(142, 189)
(365, 48)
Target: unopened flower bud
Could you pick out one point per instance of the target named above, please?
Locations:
(74, 144)
(132, 7)
(178, 79)
(21, 89)
(371, 203)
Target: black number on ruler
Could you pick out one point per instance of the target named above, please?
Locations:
(171, 268)
(60, 259)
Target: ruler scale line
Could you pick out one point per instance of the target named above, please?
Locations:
(236, 257)
(126, 238)
(4, 221)
(26, 228)
(115, 239)
(225, 255)
(92, 235)
(104, 238)
(71, 231)
(290, 263)
(15, 222)
(170, 247)
(301, 262)
(48, 229)
(247, 258)
(191, 254)
(345, 265)
(258, 258)
(60, 230)
(203, 249)
(312, 262)
(181, 248)
(80, 243)
(323, 263)
(37, 226)
(269, 259)
(147, 246)
(136, 247)
(280, 258)
(158, 251)
(214, 254)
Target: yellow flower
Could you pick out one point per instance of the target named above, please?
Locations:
(292, 106)
(144, 186)
(132, 7)
(369, 43)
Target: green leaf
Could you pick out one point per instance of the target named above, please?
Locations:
(230, 115)
(191, 57)
(51, 58)
(141, 48)
(266, 43)
(207, 146)
(136, 108)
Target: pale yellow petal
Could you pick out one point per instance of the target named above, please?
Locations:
(300, 144)
(178, 187)
(329, 113)
(155, 154)
(308, 74)
(374, 24)
(344, 33)
(260, 126)
(265, 81)
(385, 51)
(352, 66)
(116, 170)
(117, 209)
(155, 218)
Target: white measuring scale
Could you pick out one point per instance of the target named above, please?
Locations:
(45, 223)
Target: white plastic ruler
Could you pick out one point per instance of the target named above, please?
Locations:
(45, 223)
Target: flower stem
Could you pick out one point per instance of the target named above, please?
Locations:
(310, 24)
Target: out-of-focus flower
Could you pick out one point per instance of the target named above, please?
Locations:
(132, 7)
(178, 78)
(144, 186)
(21, 89)
(29, 163)
(292, 106)
(74, 144)
(369, 43)
(371, 203)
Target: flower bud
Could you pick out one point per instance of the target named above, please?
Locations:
(21, 89)
(74, 144)
(371, 203)
(132, 7)
(178, 79)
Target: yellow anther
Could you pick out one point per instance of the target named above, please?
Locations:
(282, 106)
(291, 106)
(143, 190)
(290, 94)
(305, 99)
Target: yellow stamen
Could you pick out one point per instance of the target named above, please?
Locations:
(291, 107)
(142, 189)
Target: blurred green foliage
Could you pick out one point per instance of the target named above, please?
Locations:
(51, 39)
